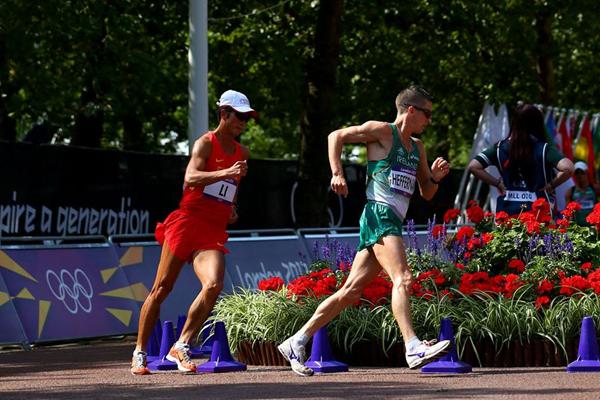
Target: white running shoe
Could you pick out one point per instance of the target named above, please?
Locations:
(301, 369)
(427, 352)
(295, 355)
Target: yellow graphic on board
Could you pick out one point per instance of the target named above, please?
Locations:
(137, 292)
(42, 315)
(107, 274)
(4, 298)
(133, 256)
(122, 315)
(11, 265)
(25, 294)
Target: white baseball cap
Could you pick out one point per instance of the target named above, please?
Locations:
(236, 100)
(581, 165)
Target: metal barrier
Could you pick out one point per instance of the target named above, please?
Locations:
(54, 241)
(133, 240)
(262, 232)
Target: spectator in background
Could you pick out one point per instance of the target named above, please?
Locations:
(583, 193)
(526, 163)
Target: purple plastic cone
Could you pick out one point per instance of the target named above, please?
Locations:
(220, 358)
(206, 340)
(167, 341)
(321, 359)
(448, 364)
(180, 323)
(153, 348)
(588, 359)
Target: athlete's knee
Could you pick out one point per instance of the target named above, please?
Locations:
(402, 284)
(213, 288)
(349, 294)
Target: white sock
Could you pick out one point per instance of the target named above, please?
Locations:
(412, 344)
(180, 345)
(300, 339)
(138, 351)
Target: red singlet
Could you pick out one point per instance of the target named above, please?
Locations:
(200, 223)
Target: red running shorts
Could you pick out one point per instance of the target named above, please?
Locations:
(186, 233)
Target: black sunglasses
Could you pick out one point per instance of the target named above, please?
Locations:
(242, 116)
(425, 111)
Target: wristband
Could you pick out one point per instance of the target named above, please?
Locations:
(434, 181)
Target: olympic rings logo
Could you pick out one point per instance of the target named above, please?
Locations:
(74, 290)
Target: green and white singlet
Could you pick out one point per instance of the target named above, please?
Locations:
(390, 184)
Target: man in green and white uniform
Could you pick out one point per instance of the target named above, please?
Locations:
(390, 184)
(397, 163)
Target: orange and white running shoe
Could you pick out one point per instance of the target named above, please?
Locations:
(180, 354)
(138, 364)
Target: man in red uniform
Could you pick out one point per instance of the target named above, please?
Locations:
(196, 232)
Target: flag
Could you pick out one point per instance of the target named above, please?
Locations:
(556, 136)
(596, 138)
(550, 126)
(565, 137)
(584, 147)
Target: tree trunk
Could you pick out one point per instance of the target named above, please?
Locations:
(545, 49)
(313, 172)
(8, 126)
(89, 119)
(133, 134)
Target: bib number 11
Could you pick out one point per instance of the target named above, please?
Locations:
(222, 190)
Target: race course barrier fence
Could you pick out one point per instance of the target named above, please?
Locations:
(70, 288)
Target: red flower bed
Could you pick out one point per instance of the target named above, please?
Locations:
(497, 254)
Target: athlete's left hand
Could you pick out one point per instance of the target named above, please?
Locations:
(233, 217)
(440, 168)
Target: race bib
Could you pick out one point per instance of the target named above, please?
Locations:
(587, 204)
(403, 181)
(518, 195)
(223, 191)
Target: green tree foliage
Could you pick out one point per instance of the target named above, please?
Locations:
(111, 74)
(114, 74)
(465, 52)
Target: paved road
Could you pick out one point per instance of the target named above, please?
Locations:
(100, 371)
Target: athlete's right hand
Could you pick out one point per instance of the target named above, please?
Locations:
(339, 186)
(240, 168)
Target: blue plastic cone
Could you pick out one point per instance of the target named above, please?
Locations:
(448, 364)
(588, 359)
(153, 349)
(321, 359)
(180, 323)
(220, 358)
(167, 341)
(206, 340)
